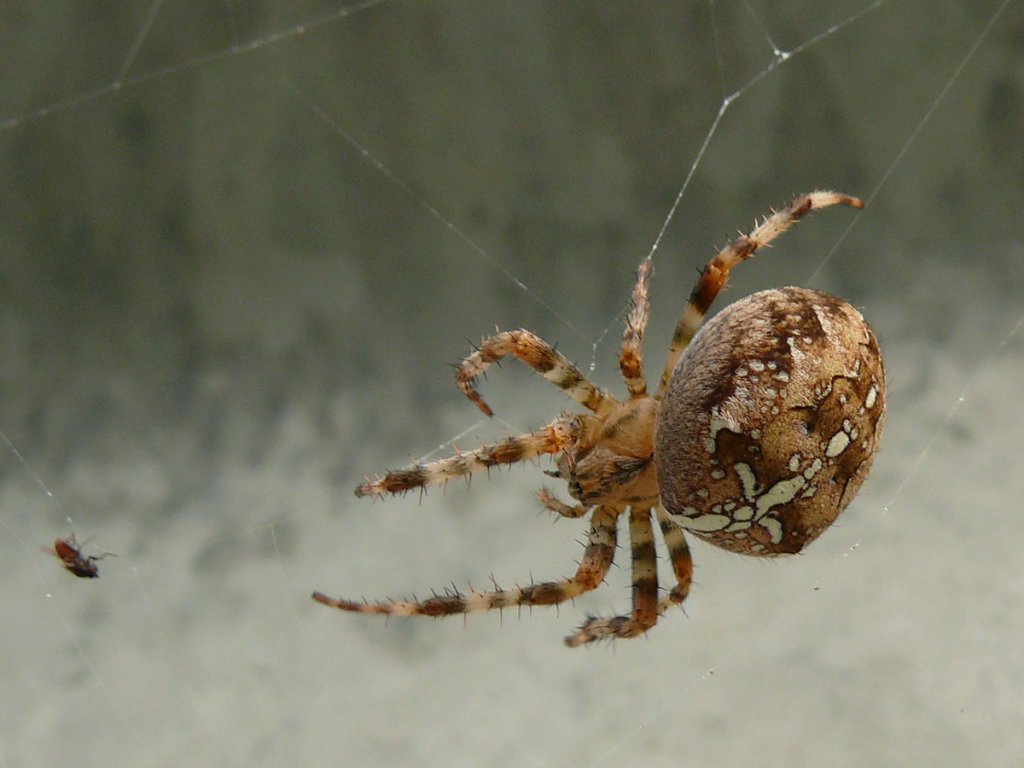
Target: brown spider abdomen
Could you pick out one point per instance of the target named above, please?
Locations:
(770, 422)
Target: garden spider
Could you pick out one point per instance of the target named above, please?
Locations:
(761, 430)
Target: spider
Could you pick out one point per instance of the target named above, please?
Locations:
(69, 552)
(761, 430)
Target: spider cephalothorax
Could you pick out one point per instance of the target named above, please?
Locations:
(759, 434)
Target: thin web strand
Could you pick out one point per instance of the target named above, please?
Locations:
(136, 46)
(914, 134)
(426, 205)
(943, 423)
(33, 474)
(120, 83)
(716, 35)
(776, 51)
(731, 98)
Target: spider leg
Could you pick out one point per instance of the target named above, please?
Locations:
(553, 504)
(540, 356)
(556, 437)
(645, 589)
(679, 554)
(717, 270)
(597, 558)
(631, 361)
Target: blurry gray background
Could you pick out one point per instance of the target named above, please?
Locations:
(217, 315)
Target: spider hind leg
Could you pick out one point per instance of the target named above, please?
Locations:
(679, 554)
(597, 559)
(645, 589)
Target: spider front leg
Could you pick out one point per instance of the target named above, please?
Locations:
(631, 361)
(597, 559)
(717, 270)
(645, 589)
(556, 437)
(539, 355)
